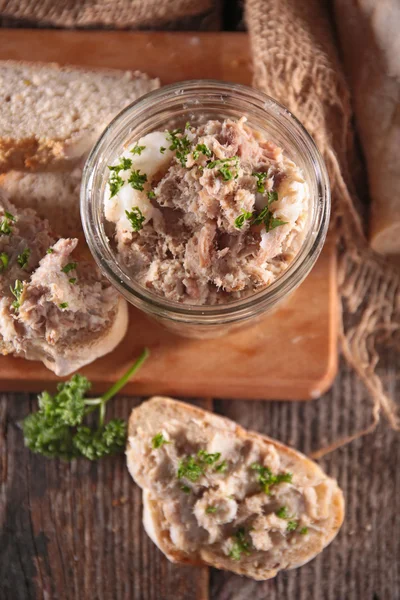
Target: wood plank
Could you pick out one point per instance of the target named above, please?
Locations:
(74, 530)
(291, 354)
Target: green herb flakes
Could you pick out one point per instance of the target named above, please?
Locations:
(241, 219)
(63, 305)
(228, 167)
(266, 478)
(162, 149)
(292, 526)
(72, 281)
(4, 260)
(151, 195)
(49, 251)
(69, 267)
(136, 218)
(158, 441)
(261, 179)
(115, 183)
(201, 149)
(180, 143)
(23, 258)
(240, 545)
(186, 489)
(137, 180)
(221, 467)
(283, 513)
(211, 509)
(17, 293)
(138, 149)
(303, 531)
(7, 223)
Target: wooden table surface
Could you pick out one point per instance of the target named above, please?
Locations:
(72, 531)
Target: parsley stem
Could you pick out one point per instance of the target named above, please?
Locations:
(125, 378)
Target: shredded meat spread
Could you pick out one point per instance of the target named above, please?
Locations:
(206, 215)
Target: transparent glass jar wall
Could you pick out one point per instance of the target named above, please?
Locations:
(197, 102)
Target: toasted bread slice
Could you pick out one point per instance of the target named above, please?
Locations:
(52, 115)
(216, 494)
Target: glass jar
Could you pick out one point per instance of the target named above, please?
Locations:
(198, 101)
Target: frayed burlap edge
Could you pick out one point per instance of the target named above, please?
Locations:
(295, 61)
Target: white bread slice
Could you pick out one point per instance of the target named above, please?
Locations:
(51, 115)
(205, 520)
(67, 314)
(54, 196)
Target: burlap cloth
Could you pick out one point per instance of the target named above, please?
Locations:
(295, 61)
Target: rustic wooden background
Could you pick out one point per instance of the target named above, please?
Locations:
(73, 531)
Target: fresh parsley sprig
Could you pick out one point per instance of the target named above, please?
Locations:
(267, 479)
(7, 223)
(136, 218)
(58, 428)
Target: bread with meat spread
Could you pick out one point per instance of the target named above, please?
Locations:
(54, 304)
(215, 494)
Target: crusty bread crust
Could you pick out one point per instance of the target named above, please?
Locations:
(152, 414)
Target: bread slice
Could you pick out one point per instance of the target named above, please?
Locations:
(52, 115)
(54, 196)
(216, 494)
(54, 305)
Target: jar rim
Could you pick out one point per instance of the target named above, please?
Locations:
(234, 310)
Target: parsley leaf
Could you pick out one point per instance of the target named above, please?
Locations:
(266, 478)
(190, 469)
(222, 467)
(4, 260)
(208, 459)
(136, 218)
(57, 429)
(162, 149)
(283, 513)
(201, 149)
(137, 180)
(49, 251)
(180, 143)
(240, 545)
(63, 305)
(158, 441)
(72, 281)
(241, 219)
(261, 178)
(115, 182)
(69, 267)
(23, 258)
(225, 167)
(7, 223)
(124, 165)
(211, 509)
(151, 195)
(292, 525)
(303, 531)
(137, 149)
(17, 293)
(186, 489)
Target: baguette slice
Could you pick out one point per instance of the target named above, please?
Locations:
(249, 505)
(54, 196)
(54, 304)
(52, 115)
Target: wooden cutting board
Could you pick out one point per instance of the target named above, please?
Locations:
(291, 354)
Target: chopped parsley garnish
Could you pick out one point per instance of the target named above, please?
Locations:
(4, 260)
(151, 195)
(261, 178)
(158, 441)
(58, 428)
(222, 467)
(201, 149)
(186, 489)
(193, 467)
(225, 167)
(266, 478)
(137, 180)
(72, 281)
(23, 258)
(180, 143)
(187, 125)
(64, 305)
(303, 531)
(162, 149)
(7, 223)
(283, 513)
(241, 219)
(211, 509)
(292, 525)
(263, 217)
(69, 267)
(136, 218)
(17, 293)
(137, 149)
(49, 251)
(240, 545)
(115, 182)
